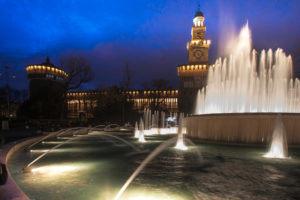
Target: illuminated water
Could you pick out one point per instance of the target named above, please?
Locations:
(93, 168)
(250, 81)
(136, 130)
(180, 140)
(141, 131)
(278, 146)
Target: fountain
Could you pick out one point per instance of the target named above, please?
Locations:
(148, 119)
(278, 147)
(154, 123)
(150, 157)
(108, 172)
(59, 144)
(53, 134)
(199, 161)
(114, 137)
(180, 142)
(26, 168)
(239, 104)
(163, 119)
(141, 132)
(136, 130)
(244, 94)
(238, 85)
(145, 117)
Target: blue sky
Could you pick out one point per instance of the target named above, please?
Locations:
(150, 36)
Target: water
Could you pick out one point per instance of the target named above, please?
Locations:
(180, 141)
(147, 118)
(155, 123)
(180, 145)
(154, 153)
(141, 132)
(95, 132)
(278, 147)
(105, 135)
(136, 130)
(250, 82)
(163, 118)
(48, 151)
(49, 136)
(92, 168)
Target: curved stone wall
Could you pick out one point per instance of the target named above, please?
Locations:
(242, 128)
(10, 191)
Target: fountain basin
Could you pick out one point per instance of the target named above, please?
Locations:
(101, 168)
(11, 190)
(242, 127)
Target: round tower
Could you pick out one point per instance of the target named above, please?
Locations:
(43, 76)
(47, 86)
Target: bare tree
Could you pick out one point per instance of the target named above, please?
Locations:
(79, 71)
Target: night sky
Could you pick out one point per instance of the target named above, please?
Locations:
(150, 36)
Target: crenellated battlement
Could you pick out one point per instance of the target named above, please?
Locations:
(46, 70)
(195, 68)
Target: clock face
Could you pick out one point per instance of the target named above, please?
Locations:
(198, 54)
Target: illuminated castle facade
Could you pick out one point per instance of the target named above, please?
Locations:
(82, 104)
(47, 87)
(193, 76)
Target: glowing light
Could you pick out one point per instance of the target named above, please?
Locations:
(152, 131)
(142, 138)
(180, 145)
(275, 152)
(278, 147)
(53, 169)
(161, 131)
(39, 150)
(63, 138)
(243, 83)
(136, 133)
(166, 131)
(52, 142)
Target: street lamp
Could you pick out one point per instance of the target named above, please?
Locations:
(7, 77)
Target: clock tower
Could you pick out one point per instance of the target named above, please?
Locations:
(193, 75)
(198, 46)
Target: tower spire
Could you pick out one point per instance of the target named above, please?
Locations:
(199, 13)
(198, 47)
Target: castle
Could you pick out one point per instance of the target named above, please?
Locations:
(192, 77)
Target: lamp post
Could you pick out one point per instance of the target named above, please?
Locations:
(7, 90)
(7, 76)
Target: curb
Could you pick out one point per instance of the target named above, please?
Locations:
(10, 190)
